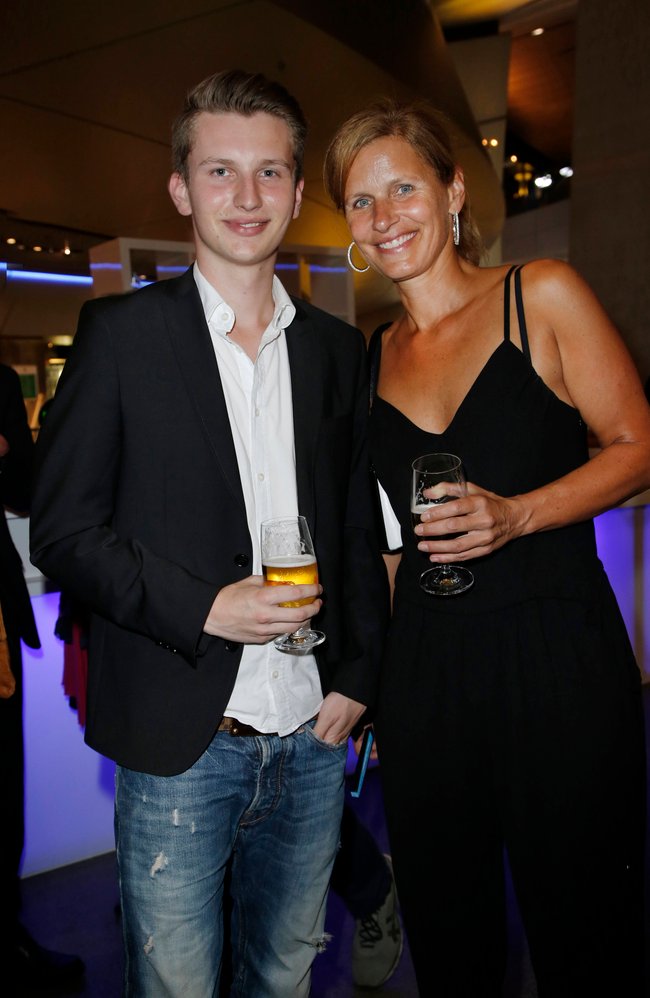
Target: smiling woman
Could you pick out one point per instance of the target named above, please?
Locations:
(522, 692)
(425, 144)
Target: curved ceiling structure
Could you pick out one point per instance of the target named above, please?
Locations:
(88, 93)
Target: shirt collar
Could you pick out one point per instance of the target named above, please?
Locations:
(221, 317)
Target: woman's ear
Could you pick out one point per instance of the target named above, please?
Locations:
(456, 191)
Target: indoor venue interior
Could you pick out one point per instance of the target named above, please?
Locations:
(549, 106)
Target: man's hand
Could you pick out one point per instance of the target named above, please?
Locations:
(338, 715)
(248, 611)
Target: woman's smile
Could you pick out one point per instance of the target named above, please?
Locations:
(397, 242)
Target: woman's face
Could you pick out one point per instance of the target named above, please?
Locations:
(398, 210)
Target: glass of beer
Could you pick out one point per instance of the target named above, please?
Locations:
(288, 559)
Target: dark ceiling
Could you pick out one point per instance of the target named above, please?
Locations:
(541, 70)
(88, 92)
(540, 91)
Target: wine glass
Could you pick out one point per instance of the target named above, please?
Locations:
(288, 559)
(436, 472)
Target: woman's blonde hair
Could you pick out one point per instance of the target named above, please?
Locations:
(419, 124)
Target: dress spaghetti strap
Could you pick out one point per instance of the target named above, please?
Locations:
(506, 304)
(519, 301)
(521, 318)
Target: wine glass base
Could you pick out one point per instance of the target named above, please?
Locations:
(302, 645)
(446, 581)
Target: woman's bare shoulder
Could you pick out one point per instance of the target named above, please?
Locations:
(549, 276)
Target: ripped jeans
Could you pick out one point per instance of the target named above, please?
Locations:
(265, 811)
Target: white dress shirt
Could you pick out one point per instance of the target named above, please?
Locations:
(274, 691)
(392, 526)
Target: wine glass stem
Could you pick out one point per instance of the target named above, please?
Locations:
(297, 637)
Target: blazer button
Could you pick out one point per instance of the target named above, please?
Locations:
(232, 646)
(241, 560)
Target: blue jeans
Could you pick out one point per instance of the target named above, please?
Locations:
(266, 808)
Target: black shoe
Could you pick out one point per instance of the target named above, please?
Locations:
(35, 966)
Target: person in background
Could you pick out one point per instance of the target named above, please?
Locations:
(510, 715)
(363, 879)
(24, 961)
(187, 413)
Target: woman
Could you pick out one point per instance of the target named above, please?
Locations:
(510, 716)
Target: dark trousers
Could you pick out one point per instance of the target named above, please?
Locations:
(360, 877)
(512, 746)
(12, 826)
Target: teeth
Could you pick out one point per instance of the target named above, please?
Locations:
(399, 241)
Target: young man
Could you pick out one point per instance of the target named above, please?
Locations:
(187, 413)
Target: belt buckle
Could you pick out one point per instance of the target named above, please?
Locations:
(237, 729)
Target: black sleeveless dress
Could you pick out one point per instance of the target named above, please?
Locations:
(510, 713)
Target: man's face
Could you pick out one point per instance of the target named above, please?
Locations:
(240, 189)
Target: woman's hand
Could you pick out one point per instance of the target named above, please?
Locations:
(479, 523)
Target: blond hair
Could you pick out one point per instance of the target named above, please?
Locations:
(238, 92)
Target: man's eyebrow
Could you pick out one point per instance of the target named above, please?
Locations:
(226, 161)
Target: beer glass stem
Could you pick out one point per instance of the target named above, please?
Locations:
(299, 636)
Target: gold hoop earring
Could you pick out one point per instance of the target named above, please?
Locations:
(359, 270)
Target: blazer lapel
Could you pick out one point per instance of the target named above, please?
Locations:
(305, 358)
(194, 352)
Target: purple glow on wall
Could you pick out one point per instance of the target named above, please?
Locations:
(68, 786)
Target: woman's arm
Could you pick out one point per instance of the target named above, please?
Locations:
(391, 562)
(579, 354)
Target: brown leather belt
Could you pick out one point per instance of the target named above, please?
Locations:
(238, 728)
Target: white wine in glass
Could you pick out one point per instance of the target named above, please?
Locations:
(288, 559)
(433, 472)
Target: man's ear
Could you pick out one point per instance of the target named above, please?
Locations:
(179, 194)
(298, 201)
(456, 191)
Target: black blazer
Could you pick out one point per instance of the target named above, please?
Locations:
(139, 512)
(15, 487)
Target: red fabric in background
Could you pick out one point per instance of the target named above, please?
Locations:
(75, 671)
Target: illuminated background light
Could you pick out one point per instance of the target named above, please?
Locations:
(41, 278)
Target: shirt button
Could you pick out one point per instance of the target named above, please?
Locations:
(275, 674)
(257, 412)
(241, 560)
(260, 476)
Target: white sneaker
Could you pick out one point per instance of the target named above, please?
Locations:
(378, 942)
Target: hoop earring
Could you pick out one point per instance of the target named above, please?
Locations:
(455, 225)
(359, 270)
